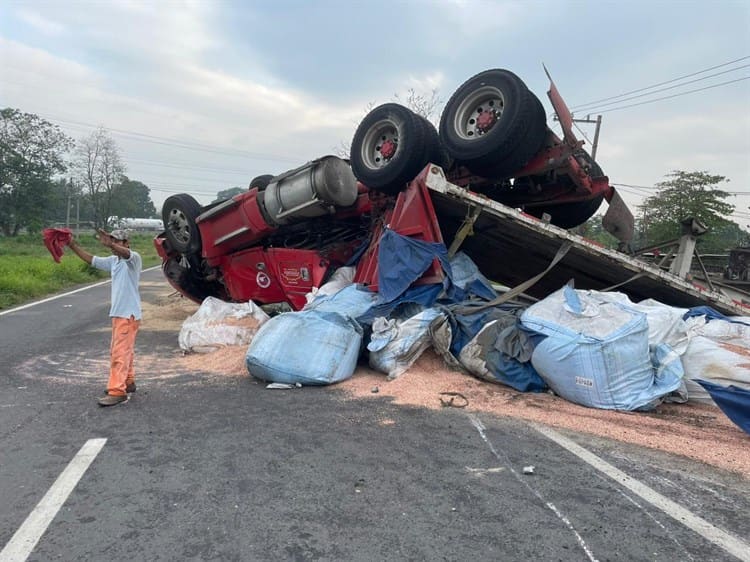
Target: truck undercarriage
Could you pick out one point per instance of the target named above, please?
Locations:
(494, 160)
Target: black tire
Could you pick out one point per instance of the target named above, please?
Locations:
(179, 213)
(510, 131)
(434, 150)
(388, 167)
(570, 215)
(261, 182)
(584, 159)
(529, 145)
(189, 283)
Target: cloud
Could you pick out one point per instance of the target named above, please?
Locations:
(40, 23)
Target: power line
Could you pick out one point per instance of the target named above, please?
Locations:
(660, 83)
(675, 95)
(182, 165)
(581, 131)
(657, 188)
(216, 149)
(596, 107)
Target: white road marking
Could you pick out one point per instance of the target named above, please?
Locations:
(733, 545)
(35, 404)
(86, 288)
(480, 428)
(480, 472)
(659, 523)
(24, 540)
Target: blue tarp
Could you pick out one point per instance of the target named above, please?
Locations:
(733, 401)
(403, 260)
(710, 314)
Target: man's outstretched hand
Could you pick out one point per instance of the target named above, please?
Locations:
(104, 237)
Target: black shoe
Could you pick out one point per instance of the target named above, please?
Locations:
(111, 400)
(130, 389)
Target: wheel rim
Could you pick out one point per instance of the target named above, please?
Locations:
(380, 144)
(478, 113)
(179, 226)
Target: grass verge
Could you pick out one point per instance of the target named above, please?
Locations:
(28, 272)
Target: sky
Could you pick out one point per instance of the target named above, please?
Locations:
(204, 96)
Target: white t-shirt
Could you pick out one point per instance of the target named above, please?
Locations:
(126, 301)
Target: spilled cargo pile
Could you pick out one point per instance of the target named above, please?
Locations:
(593, 348)
(381, 257)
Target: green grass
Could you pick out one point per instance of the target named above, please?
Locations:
(28, 272)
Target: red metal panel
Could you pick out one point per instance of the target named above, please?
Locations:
(249, 275)
(414, 216)
(237, 226)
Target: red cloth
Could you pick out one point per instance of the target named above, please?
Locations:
(56, 239)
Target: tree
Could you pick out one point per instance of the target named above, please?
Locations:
(225, 194)
(593, 230)
(426, 106)
(100, 170)
(31, 152)
(421, 104)
(685, 194)
(132, 198)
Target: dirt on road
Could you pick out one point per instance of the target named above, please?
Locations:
(696, 431)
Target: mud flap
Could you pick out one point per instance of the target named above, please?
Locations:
(618, 220)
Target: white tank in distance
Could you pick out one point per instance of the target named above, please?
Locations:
(136, 223)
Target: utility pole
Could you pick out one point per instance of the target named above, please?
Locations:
(596, 137)
(67, 209)
(598, 123)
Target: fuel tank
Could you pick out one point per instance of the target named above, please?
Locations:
(318, 188)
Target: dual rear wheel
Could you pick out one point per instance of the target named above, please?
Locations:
(492, 125)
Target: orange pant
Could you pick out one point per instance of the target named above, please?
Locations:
(122, 352)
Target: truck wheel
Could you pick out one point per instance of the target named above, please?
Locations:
(261, 182)
(489, 118)
(569, 215)
(179, 213)
(595, 170)
(434, 150)
(388, 148)
(529, 145)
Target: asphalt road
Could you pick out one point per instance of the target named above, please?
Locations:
(200, 468)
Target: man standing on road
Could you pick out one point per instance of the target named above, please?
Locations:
(124, 266)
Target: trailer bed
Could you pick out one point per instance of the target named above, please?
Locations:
(510, 247)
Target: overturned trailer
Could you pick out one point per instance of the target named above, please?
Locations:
(512, 247)
(495, 181)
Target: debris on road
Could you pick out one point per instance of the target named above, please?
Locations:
(378, 261)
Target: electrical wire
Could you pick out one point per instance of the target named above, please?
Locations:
(596, 107)
(674, 95)
(583, 133)
(660, 83)
(166, 141)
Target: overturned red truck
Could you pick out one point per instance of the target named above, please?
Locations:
(289, 232)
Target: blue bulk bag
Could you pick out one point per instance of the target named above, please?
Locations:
(733, 401)
(596, 353)
(310, 347)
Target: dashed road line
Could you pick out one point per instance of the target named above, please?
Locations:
(24, 540)
(476, 422)
(733, 545)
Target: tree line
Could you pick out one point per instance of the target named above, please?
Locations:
(47, 177)
(682, 195)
